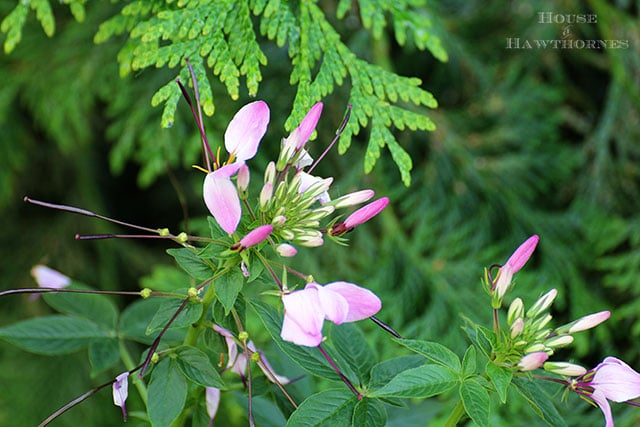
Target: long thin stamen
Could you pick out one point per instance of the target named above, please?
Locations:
(335, 139)
(77, 291)
(385, 327)
(85, 212)
(339, 372)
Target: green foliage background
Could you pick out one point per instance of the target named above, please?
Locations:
(542, 141)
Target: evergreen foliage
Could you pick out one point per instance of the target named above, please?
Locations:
(538, 140)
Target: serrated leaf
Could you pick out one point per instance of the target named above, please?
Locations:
(539, 401)
(228, 287)
(351, 344)
(197, 367)
(370, 413)
(189, 314)
(501, 379)
(190, 263)
(328, 408)
(475, 399)
(433, 351)
(167, 393)
(421, 382)
(469, 361)
(53, 335)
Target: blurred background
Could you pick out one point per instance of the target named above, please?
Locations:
(529, 141)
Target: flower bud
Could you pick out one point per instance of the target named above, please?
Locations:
(366, 212)
(515, 262)
(534, 348)
(532, 361)
(243, 180)
(265, 195)
(584, 323)
(540, 323)
(354, 198)
(255, 236)
(565, 368)
(286, 250)
(516, 311)
(279, 220)
(516, 327)
(542, 303)
(270, 173)
(559, 341)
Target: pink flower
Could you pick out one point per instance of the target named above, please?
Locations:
(306, 310)
(515, 262)
(121, 392)
(611, 380)
(360, 216)
(241, 140)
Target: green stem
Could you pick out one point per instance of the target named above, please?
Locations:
(456, 415)
(195, 331)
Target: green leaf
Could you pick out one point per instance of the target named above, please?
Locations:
(135, 319)
(475, 399)
(433, 351)
(501, 378)
(309, 358)
(197, 367)
(167, 393)
(328, 408)
(165, 278)
(385, 370)
(539, 401)
(103, 354)
(53, 335)
(191, 312)
(351, 344)
(469, 361)
(423, 381)
(228, 287)
(97, 308)
(370, 413)
(190, 263)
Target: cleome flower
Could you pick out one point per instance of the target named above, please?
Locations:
(305, 310)
(611, 380)
(241, 140)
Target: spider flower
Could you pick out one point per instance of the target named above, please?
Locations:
(611, 380)
(241, 140)
(294, 144)
(305, 310)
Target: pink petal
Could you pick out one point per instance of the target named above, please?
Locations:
(120, 390)
(366, 212)
(532, 361)
(362, 302)
(604, 406)
(616, 380)
(303, 318)
(49, 278)
(232, 347)
(221, 198)
(521, 255)
(268, 371)
(212, 399)
(246, 129)
(589, 321)
(334, 305)
(302, 133)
